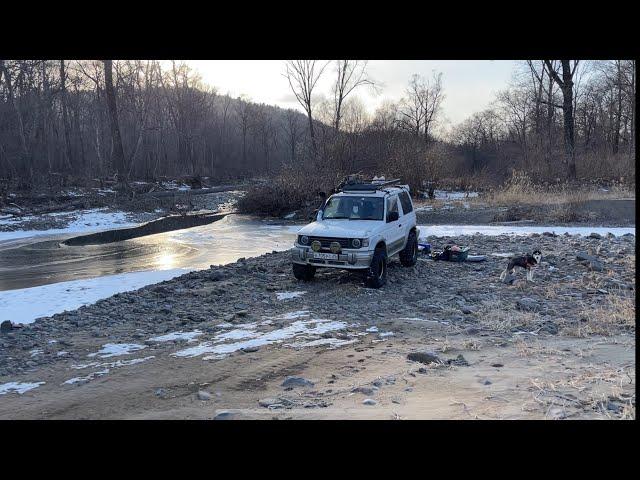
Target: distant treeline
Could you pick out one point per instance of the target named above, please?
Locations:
(86, 119)
(55, 117)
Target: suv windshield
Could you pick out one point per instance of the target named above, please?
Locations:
(354, 208)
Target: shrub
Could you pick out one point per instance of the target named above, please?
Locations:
(292, 190)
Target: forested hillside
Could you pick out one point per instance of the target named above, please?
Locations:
(77, 119)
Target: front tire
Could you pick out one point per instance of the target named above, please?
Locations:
(377, 274)
(409, 254)
(304, 272)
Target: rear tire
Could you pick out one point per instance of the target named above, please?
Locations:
(304, 272)
(409, 254)
(377, 273)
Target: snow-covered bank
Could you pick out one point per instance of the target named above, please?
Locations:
(456, 230)
(27, 304)
(82, 221)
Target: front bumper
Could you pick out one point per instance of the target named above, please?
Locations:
(350, 259)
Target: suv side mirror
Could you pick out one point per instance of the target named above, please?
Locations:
(319, 215)
(392, 217)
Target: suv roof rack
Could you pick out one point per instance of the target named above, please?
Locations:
(369, 186)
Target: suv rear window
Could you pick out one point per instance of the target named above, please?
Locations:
(406, 202)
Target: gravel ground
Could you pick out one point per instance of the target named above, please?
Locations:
(236, 332)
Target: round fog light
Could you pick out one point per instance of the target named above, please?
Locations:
(315, 246)
(335, 247)
(356, 243)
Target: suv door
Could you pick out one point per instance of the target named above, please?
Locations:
(409, 219)
(395, 230)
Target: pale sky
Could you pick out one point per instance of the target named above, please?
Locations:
(469, 85)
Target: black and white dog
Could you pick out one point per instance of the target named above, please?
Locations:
(525, 261)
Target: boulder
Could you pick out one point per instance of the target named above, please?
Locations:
(527, 304)
(424, 357)
(292, 382)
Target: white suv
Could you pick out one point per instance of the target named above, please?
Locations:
(359, 229)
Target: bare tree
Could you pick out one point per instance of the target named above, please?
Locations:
(12, 100)
(291, 127)
(116, 139)
(303, 76)
(566, 84)
(65, 115)
(421, 106)
(243, 110)
(351, 75)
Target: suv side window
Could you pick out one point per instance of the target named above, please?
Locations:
(392, 205)
(406, 202)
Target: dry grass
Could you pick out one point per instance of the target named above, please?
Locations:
(503, 318)
(617, 314)
(590, 390)
(520, 189)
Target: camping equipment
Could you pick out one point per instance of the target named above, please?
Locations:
(425, 248)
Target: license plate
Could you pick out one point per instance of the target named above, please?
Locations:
(326, 256)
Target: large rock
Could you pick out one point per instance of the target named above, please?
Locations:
(364, 390)
(424, 357)
(204, 396)
(585, 257)
(292, 382)
(459, 361)
(224, 415)
(6, 326)
(594, 265)
(527, 304)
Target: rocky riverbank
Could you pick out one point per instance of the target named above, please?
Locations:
(221, 342)
(612, 213)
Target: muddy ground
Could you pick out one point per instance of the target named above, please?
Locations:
(222, 343)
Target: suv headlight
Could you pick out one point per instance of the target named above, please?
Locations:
(304, 240)
(359, 242)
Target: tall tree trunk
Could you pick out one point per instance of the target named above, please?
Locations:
(116, 139)
(65, 116)
(567, 111)
(618, 122)
(566, 86)
(23, 141)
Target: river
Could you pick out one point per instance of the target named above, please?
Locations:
(40, 276)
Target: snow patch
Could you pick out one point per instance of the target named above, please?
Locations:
(257, 339)
(26, 304)
(331, 342)
(292, 315)
(171, 337)
(18, 387)
(116, 364)
(289, 295)
(86, 378)
(117, 349)
(83, 221)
